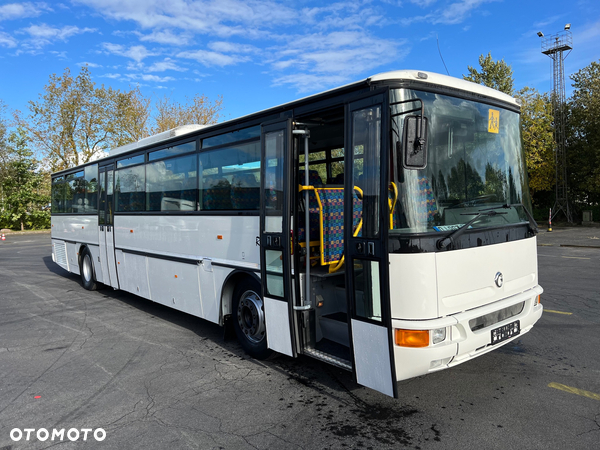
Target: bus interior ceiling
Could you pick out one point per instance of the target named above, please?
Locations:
(328, 321)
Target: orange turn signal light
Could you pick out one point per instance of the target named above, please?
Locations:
(411, 338)
(539, 300)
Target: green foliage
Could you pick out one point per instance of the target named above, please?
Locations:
(538, 143)
(74, 121)
(495, 74)
(23, 187)
(583, 135)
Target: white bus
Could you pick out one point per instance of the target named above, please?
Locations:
(382, 227)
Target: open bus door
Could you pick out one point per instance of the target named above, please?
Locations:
(275, 248)
(367, 274)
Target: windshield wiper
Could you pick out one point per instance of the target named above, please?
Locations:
(449, 240)
(532, 223)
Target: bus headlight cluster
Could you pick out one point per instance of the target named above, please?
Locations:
(438, 335)
(419, 338)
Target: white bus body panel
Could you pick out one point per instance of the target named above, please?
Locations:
(462, 287)
(212, 246)
(75, 228)
(194, 237)
(68, 234)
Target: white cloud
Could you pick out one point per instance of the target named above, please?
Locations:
(89, 64)
(451, 14)
(166, 64)
(221, 18)
(6, 40)
(343, 51)
(457, 12)
(146, 77)
(230, 47)
(13, 11)
(167, 37)
(309, 82)
(136, 52)
(45, 33)
(321, 60)
(212, 58)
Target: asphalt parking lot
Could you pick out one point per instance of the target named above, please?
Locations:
(152, 377)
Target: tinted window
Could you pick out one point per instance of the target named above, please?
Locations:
(130, 186)
(234, 136)
(171, 185)
(230, 178)
(91, 189)
(131, 161)
(174, 150)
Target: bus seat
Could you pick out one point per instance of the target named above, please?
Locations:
(332, 201)
(426, 202)
(339, 179)
(245, 192)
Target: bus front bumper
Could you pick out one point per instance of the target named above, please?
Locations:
(462, 343)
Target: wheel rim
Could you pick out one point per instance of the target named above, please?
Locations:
(87, 268)
(251, 317)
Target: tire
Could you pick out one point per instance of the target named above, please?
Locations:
(249, 319)
(88, 274)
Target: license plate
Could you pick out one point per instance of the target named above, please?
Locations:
(506, 332)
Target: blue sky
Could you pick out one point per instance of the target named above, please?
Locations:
(261, 53)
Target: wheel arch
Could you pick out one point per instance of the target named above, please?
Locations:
(235, 277)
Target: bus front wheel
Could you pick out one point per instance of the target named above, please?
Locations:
(88, 277)
(249, 319)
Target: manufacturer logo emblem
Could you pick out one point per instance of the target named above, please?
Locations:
(499, 279)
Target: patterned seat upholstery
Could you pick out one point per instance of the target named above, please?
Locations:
(332, 201)
(426, 203)
(356, 213)
(245, 192)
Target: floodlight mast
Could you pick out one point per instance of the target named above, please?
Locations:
(555, 47)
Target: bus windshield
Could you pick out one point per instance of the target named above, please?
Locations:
(474, 163)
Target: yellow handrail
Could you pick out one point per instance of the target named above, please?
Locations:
(392, 204)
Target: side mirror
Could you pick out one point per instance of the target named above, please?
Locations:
(414, 148)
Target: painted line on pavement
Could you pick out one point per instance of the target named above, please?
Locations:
(572, 390)
(557, 312)
(574, 257)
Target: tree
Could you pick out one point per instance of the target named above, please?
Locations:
(197, 110)
(23, 185)
(3, 151)
(74, 122)
(538, 142)
(494, 74)
(583, 135)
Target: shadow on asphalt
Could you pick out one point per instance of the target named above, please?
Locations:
(316, 375)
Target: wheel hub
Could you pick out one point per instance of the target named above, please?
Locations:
(251, 317)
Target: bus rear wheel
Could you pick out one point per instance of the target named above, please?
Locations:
(88, 276)
(249, 319)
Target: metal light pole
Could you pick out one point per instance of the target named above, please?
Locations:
(555, 47)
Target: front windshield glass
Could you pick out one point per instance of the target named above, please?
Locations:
(474, 163)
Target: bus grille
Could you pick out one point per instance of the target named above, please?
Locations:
(497, 316)
(60, 252)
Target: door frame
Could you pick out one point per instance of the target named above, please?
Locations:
(278, 307)
(371, 341)
(106, 234)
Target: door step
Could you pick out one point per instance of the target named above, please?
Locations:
(334, 360)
